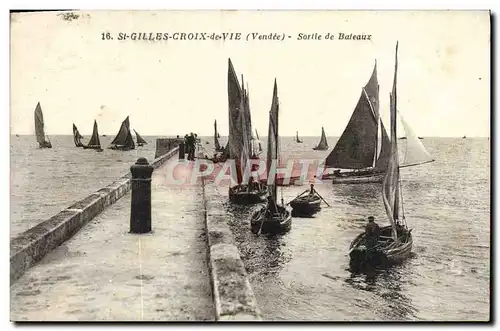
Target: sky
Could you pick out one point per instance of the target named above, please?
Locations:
(174, 87)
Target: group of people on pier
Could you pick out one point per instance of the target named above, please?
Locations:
(190, 142)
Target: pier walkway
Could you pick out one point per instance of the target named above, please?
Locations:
(103, 273)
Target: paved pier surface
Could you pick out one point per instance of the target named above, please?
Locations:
(104, 273)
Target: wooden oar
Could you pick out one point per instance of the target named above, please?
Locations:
(298, 196)
(261, 224)
(322, 198)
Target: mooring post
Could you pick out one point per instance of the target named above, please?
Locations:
(182, 154)
(140, 209)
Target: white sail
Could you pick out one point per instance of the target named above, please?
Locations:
(412, 151)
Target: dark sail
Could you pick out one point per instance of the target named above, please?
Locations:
(94, 141)
(356, 146)
(123, 139)
(237, 137)
(323, 144)
(216, 136)
(364, 143)
(77, 137)
(297, 139)
(272, 141)
(39, 128)
(140, 140)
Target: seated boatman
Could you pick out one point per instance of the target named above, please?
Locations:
(372, 232)
(311, 192)
(271, 206)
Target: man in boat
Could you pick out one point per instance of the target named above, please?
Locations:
(271, 207)
(312, 191)
(372, 232)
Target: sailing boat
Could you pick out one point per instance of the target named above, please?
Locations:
(395, 241)
(272, 218)
(94, 142)
(42, 140)
(123, 140)
(77, 137)
(140, 140)
(364, 146)
(323, 144)
(218, 147)
(239, 143)
(297, 140)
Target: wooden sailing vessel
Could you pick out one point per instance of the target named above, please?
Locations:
(41, 138)
(140, 140)
(395, 241)
(272, 218)
(123, 140)
(94, 142)
(297, 140)
(77, 137)
(239, 146)
(323, 144)
(364, 147)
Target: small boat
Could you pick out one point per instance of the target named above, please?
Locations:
(123, 140)
(306, 205)
(77, 137)
(240, 147)
(94, 142)
(272, 218)
(218, 147)
(104, 135)
(297, 140)
(361, 155)
(41, 138)
(464, 137)
(323, 144)
(140, 140)
(420, 138)
(17, 135)
(395, 241)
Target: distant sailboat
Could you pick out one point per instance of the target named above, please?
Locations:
(323, 144)
(464, 137)
(140, 140)
(94, 142)
(123, 140)
(41, 138)
(218, 147)
(77, 137)
(297, 140)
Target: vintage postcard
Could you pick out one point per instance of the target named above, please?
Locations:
(233, 165)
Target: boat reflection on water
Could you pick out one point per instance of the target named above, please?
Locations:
(265, 254)
(358, 195)
(387, 285)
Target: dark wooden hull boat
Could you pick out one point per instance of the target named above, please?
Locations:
(263, 222)
(305, 205)
(319, 148)
(91, 147)
(354, 177)
(140, 145)
(385, 253)
(122, 148)
(240, 195)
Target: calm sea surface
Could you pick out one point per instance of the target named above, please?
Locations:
(302, 275)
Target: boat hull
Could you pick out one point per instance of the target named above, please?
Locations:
(240, 196)
(267, 224)
(92, 147)
(122, 148)
(361, 256)
(320, 148)
(305, 206)
(353, 178)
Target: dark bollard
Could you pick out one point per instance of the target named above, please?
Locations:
(182, 153)
(140, 211)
